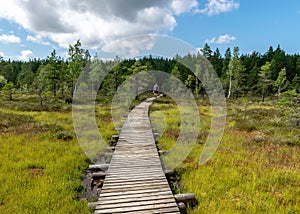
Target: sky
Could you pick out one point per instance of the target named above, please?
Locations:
(33, 28)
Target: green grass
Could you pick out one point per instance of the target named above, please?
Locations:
(256, 168)
(40, 174)
(41, 161)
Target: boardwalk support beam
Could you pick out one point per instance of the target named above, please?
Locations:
(98, 175)
(114, 140)
(189, 199)
(163, 152)
(182, 208)
(98, 167)
(169, 173)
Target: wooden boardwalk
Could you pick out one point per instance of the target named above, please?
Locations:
(135, 181)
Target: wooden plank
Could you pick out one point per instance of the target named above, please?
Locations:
(120, 189)
(114, 181)
(136, 171)
(135, 183)
(127, 192)
(142, 181)
(130, 186)
(135, 166)
(102, 167)
(124, 179)
(134, 175)
(116, 177)
(148, 208)
(134, 197)
(131, 156)
(127, 164)
(165, 210)
(135, 204)
(133, 172)
(155, 199)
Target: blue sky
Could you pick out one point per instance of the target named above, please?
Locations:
(255, 24)
(34, 28)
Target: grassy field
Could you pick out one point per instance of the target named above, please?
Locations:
(256, 168)
(41, 161)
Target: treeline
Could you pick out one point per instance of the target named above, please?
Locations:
(44, 77)
(254, 74)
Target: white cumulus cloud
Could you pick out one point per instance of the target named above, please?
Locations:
(94, 22)
(181, 6)
(214, 7)
(37, 39)
(131, 46)
(9, 38)
(222, 39)
(26, 55)
(100, 22)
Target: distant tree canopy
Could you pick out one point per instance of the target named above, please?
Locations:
(255, 74)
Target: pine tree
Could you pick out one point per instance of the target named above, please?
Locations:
(280, 81)
(235, 71)
(265, 80)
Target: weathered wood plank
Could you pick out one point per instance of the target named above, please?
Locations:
(134, 198)
(135, 204)
(143, 181)
(114, 181)
(165, 210)
(135, 195)
(120, 189)
(136, 186)
(133, 172)
(148, 208)
(128, 179)
(135, 166)
(99, 167)
(117, 173)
